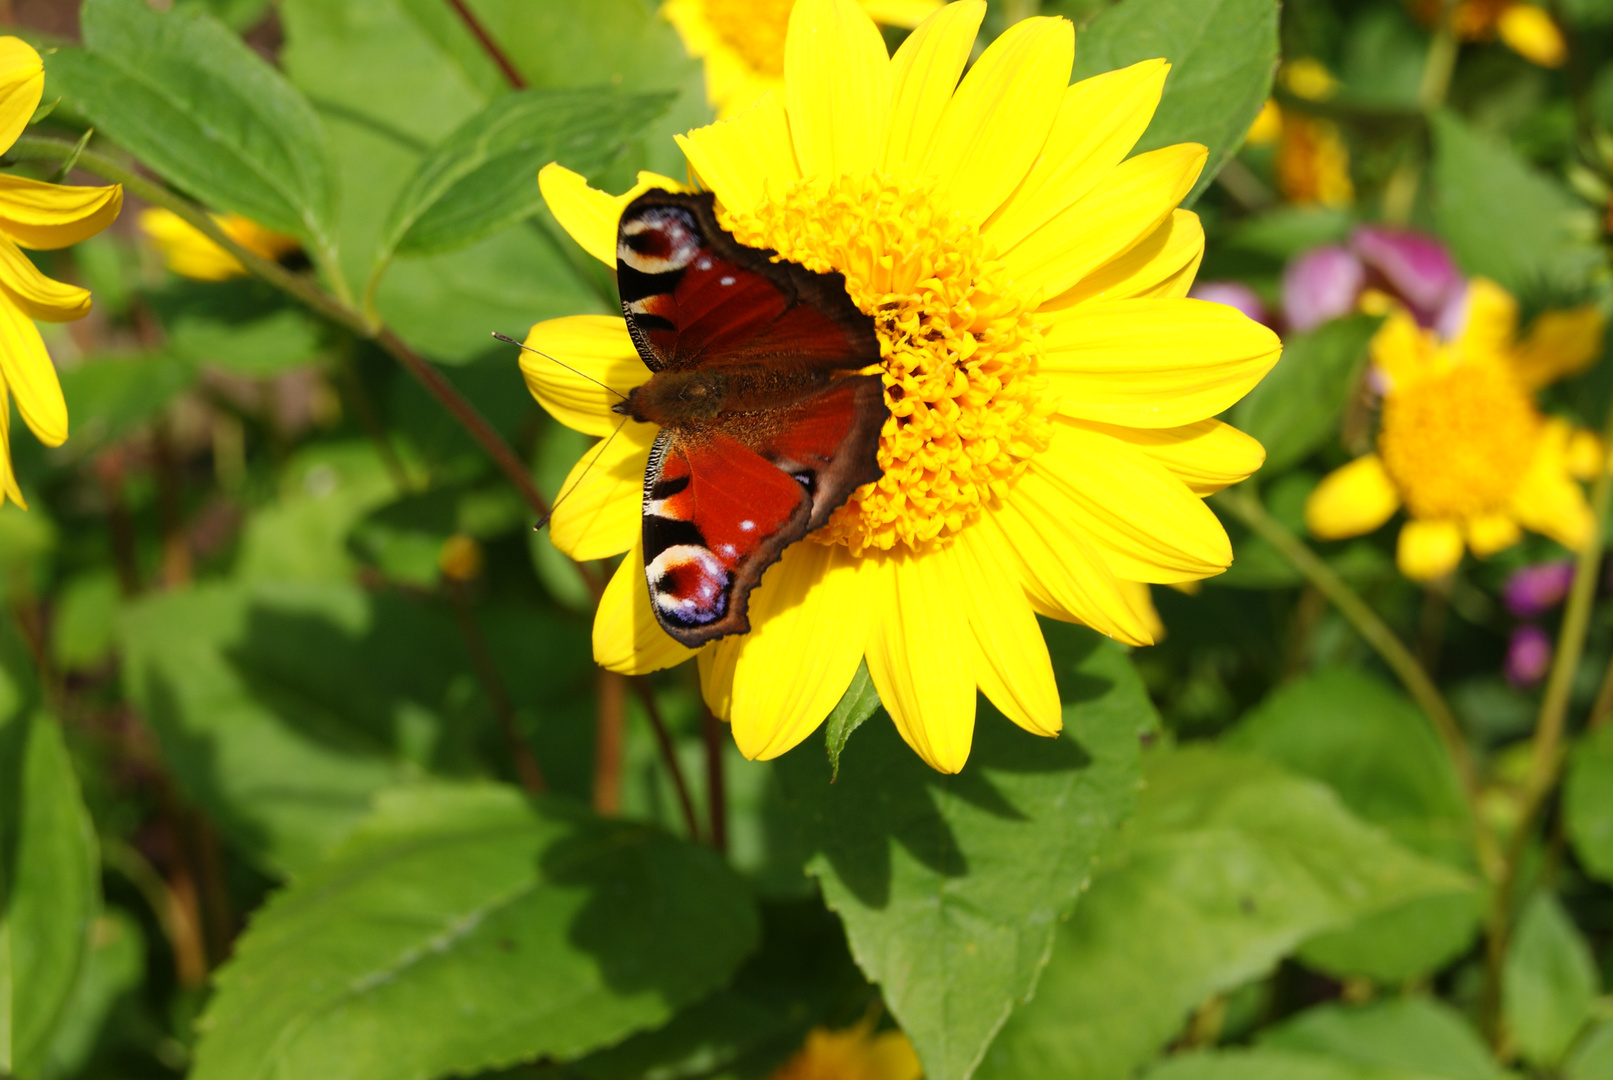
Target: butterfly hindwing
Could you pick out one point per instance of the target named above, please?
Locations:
(718, 511)
(695, 297)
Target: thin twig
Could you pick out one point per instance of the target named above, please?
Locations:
(474, 25)
(40, 148)
(1246, 507)
(669, 753)
(712, 733)
(609, 742)
(498, 694)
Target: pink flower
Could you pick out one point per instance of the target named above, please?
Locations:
(1528, 655)
(1535, 590)
(1321, 284)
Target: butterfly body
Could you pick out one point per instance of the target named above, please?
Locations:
(767, 423)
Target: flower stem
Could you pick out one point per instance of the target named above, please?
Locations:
(669, 753)
(1246, 507)
(712, 733)
(41, 148)
(489, 46)
(1546, 752)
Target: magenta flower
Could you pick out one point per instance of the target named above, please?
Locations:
(1327, 282)
(1528, 655)
(1322, 284)
(1234, 294)
(1535, 590)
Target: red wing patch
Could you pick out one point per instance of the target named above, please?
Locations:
(694, 297)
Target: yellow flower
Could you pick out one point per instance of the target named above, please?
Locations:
(1526, 29)
(853, 1054)
(34, 214)
(1461, 444)
(742, 41)
(1052, 391)
(1268, 125)
(189, 253)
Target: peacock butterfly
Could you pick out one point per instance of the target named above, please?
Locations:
(766, 426)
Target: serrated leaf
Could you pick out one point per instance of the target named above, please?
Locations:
(192, 101)
(1228, 865)
(484, 175)
(1296, 408)
(1223, 54)
(467, 928)
(950, 886)
(857, 704)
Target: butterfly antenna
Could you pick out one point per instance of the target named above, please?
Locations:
(581, 476)
(568, 367)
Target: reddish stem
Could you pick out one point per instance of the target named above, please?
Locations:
(474, 25)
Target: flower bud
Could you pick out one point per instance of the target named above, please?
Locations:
(1535, 590)
(1528, 655)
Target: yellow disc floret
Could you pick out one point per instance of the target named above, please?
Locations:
(959, 349)
(1457, 443)
(755, 29)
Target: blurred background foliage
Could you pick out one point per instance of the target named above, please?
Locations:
(305, 769)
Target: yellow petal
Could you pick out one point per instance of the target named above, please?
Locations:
(1162, 266)
(732, 84)
(1547, 499)
(38, 296)
(1063, 577)
(1207, 456)
(745, 157)
(599, 510)
(1492, 320)
(1402, 351)
(1141, 597)
(1011, 665)
(1559, 344)
(580, 349)
(809, 625)
(187, 250)
(1490, 533)
(1143, 521)
(1530, 32)
(994, 126)
(1116, 215)
(1153, 363)
(626, 636)
(924, 72)
(920, 659)
(588, 214)
(1585, 455)
(1351, 500)
(837, 87)
(22, 83)
(717, 663)
(49, 216)
(1428, 549)
(28, 372)
(1099, 120)
(903, 13)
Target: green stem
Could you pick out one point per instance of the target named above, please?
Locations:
(1246, 507)
(305, 290)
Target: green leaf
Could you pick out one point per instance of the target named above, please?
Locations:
(950, 886)
(114, 965)
(484, 176)
(1548, 983)
(1588, 803)
(1264, 1064)
(258, 348)
(1416, 1035)
(1503, 218)
(86, 619)
(109, 397)
(1229, 864)
(302, 537)
(191, 100)
(49, 883)
(460, 929)
(1222, 52)
(1295, 409)
(1592, 1058)
(857, 704)
(1378, 752)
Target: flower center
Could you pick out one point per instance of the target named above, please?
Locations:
(959, 351)
(1457, 443)
(755, 29)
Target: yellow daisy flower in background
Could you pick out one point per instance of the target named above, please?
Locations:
(1313, 163)
(190, 253)
(1462, 445)
(1526, 29)
(853, 1054)
(1052, 391)
(34, 214)
(742, 41)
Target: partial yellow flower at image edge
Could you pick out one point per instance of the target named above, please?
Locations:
(189, 252)
(1462, 446)
(1052, 390)
(40, 216)
(856, 1053)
